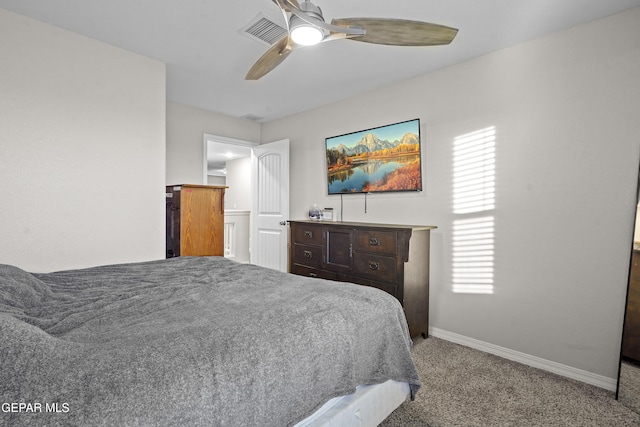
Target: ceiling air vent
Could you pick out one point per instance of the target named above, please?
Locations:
(252, 117)
(263, 28)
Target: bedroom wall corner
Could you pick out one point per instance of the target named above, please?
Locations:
(186, 127)
(565, 108)
(82, 144)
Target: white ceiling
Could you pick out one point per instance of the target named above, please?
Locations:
(207, 55)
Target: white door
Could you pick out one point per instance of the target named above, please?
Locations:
(270, 207)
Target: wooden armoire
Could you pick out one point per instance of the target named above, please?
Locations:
(195, 220)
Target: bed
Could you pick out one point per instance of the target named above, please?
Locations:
(193, 341)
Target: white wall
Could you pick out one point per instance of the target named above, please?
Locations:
(186, 127)
(82, 148)
(567, 112)
(238, 195)
(216, 180)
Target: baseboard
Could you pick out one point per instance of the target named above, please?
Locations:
(527, 359)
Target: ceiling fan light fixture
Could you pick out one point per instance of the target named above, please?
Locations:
(305, 34)
(306, 26)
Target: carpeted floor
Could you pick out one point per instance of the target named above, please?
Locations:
(466, 387)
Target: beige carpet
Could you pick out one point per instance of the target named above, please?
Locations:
(466, 387)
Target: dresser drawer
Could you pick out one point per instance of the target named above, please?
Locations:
(379, 242)
(375, 267)
(303, 270)
(307, 255)
(307, 233)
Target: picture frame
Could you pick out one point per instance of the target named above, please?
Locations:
(382, 159)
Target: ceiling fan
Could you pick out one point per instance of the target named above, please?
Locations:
(306, 26)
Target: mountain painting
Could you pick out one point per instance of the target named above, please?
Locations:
(381, 159)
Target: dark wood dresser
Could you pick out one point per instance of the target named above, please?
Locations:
(394, 258)
(631, 333)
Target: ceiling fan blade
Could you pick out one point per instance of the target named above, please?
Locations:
(399, 32)
(286, 5)
(271, 58)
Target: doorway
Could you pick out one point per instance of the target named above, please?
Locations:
(228, 163)
(256, 200)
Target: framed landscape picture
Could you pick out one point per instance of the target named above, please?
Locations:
(382, 159)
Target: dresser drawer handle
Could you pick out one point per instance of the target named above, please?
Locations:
(308, 234)
(374, 241)
(373, 265)
(308, 254)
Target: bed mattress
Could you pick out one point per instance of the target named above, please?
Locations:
(367, 407)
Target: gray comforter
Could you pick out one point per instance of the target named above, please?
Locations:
(189, 341)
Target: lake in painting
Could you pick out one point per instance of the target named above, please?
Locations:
(362, 177)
